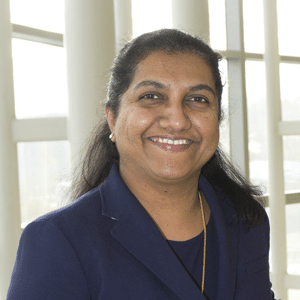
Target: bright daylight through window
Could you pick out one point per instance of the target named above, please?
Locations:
(41, 92)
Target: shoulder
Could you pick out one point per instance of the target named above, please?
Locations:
(62, 228)
(83, 210)
(253, 262)
(60, 249)
(73, 228)
(256, 238)
(253, 239)
(48, 255)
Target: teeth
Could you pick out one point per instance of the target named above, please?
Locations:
(171, 142)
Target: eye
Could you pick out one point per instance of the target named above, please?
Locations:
(150, 99)
(150, 96)
(198, 99)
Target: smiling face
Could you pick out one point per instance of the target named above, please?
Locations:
(167, 126)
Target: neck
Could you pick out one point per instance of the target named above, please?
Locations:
(173, 205)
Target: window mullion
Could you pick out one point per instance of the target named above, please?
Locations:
(275, 149)
(37, 35)
(237, 86)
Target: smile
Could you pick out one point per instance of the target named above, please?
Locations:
(170, 141)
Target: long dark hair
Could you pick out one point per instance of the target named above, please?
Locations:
(101, 153)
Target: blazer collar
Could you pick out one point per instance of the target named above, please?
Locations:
(228, 236)
(136, 231)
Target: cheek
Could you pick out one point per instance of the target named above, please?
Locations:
(208, 129)
(215, 136)
(213, 130)
(212, 136)
(207, 125)
(133, 123)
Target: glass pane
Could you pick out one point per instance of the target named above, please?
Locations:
(290, 93)
(39, 79)
(288, 23)
(46, 15)
(257, 123)
(253, 26)
(217, 24)
(291, 151)
(294, 294)
(224, 128)
(150, 15)
(293, 238)
(42, 174)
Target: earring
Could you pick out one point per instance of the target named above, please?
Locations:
(112, 137)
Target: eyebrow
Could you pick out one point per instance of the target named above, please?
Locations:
(200, 87)
(160, 85)
(150, 83)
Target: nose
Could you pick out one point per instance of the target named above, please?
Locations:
(174, 117)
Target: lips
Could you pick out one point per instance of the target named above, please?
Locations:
(171, 144)
(170, 141)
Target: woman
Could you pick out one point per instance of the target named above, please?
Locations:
(161, 213)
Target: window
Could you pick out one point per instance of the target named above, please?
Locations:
(43, 177)
(40, 92)
(39, 80)
(47, 15)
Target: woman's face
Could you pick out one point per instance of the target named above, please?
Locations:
(167, 126)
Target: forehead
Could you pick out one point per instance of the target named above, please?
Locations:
(179, 68)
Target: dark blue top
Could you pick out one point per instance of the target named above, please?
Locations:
(105, 246)
(190, 253)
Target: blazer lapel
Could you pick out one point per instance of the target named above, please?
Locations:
(227, 235)
(136, 231)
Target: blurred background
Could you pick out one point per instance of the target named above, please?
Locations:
(55, 58)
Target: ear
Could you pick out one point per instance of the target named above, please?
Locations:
(111, 120)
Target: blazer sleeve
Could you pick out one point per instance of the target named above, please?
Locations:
(47, 266)
(253, 279)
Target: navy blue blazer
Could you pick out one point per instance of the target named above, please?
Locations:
(105, 246)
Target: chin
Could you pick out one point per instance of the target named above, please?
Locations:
(172, 173)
